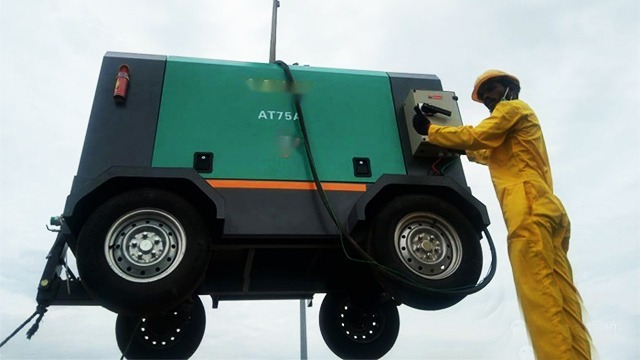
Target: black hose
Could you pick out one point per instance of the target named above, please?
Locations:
(366, 257)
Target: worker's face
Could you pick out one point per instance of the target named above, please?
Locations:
(491, 93)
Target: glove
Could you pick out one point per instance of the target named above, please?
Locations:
(421, 123)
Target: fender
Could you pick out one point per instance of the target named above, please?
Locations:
(389, 186)
(85, 197)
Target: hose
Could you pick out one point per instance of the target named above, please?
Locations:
(366, 257)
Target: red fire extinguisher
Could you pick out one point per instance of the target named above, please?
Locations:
(122, 82)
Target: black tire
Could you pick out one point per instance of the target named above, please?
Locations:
(173, 335)
(430, 243)
(143, 252)
(358, 329)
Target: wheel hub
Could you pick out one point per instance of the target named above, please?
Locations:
(428, 245)
(145, 245)
(360, 325)
(161, 332)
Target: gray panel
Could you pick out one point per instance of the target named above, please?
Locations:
(446, 100)
(401, 86)
(282, 213)
(122, 134)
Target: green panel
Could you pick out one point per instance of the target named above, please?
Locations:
(242, 113)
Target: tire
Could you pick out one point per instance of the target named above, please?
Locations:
(431, 245)
(358, 330)
(143, 252)
(173, 335)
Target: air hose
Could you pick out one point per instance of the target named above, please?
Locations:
(344, 234)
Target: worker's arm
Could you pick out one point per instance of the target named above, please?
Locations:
(479, 156)
(489, 134)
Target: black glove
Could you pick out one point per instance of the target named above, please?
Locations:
(421, 123)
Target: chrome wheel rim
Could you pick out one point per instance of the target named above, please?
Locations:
(428, 245)
(163, 332)
(360, 325)
(145, 245)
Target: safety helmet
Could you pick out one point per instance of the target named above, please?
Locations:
(488, 75)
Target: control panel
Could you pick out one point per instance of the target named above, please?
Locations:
(442, 109)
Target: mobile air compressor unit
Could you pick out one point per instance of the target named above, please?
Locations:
(248, 181)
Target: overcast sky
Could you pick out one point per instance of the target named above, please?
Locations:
(578, 62)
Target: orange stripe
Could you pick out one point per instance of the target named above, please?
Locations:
(284, 185)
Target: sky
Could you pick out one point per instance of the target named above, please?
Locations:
(579, 65)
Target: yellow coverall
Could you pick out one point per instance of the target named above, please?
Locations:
(510, 142)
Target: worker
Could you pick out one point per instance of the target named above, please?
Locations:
(510, 142)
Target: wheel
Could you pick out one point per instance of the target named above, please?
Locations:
(143, 252)
(358, 329)
(173, 335)
(431, 244)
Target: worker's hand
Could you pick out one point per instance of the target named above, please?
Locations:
(421, 123)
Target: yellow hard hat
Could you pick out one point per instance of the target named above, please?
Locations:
(488, 75)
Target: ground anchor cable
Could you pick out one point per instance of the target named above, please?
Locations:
(40, 311)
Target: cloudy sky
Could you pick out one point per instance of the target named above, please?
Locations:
(578, 62)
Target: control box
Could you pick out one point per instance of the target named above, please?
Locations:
(446, 100)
